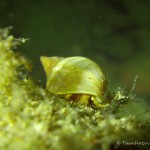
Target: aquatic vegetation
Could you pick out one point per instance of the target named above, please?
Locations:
(32, 118)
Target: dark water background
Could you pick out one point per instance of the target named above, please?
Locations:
(114, 33)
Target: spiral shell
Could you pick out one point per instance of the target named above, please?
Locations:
(75, 77)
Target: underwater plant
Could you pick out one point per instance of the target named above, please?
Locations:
(33, 118)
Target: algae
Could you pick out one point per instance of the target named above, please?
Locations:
(31, 118)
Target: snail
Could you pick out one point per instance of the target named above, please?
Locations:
(75, 78)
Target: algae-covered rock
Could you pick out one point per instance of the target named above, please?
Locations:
(33, 119)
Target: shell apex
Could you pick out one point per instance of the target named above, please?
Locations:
(49, 63)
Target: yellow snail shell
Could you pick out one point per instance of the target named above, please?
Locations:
(77, 78)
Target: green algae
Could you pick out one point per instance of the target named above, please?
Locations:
(31, 118)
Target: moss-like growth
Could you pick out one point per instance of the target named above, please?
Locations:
(31, 118)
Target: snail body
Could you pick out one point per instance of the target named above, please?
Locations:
(76, 78)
